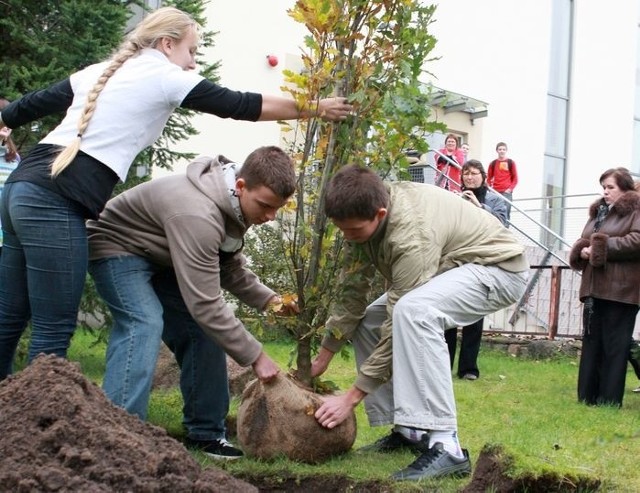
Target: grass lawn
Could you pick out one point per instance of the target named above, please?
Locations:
(527, 406)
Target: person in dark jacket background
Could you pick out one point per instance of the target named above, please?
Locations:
(608, 255)
(475, 190)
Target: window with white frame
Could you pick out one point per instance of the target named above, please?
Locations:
(558, 99)
(635, 162)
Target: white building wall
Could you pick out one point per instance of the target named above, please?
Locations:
(603, 85)
(496, 51)
(248, 31)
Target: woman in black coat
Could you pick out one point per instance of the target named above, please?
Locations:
(475, 190)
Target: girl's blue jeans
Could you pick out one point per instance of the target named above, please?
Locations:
(43, 267)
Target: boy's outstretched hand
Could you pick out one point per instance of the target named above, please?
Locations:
(336, 408)
(265, 368)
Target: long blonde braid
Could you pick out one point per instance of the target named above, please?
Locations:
(69, 153)
(164, 22)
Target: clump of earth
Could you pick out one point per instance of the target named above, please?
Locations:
(59, 432)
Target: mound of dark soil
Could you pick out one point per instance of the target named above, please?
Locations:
(59, 432)
(167, 374)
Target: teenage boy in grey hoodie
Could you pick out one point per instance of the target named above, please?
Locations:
(160, 255)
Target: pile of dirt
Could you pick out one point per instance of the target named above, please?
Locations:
(167, 373)
(239, 377)
(59, 432)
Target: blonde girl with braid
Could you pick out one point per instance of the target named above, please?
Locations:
(112, 111)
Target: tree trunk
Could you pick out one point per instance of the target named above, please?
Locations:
(303, 360)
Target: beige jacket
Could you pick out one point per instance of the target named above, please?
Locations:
(428, 231)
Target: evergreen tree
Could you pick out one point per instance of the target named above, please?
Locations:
(45, 41)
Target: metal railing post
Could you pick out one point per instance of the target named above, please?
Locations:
(554, 309)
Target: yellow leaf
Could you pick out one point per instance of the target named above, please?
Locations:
(289, 298)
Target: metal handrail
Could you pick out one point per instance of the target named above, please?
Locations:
(450, 161)
(547, 197)
(520, 305)
(537, 223)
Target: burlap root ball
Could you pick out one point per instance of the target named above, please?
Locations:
(278, 419)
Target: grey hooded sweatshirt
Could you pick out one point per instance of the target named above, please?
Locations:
(189, 222)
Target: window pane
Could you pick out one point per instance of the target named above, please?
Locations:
(635, 163)
(556, 126)
(553, 203)
(560, 48)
